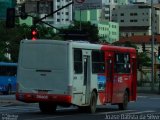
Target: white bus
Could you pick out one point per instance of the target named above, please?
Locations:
(67, 73)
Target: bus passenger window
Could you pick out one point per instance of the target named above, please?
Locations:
(77, 61)
(122, 63)
(98, 65)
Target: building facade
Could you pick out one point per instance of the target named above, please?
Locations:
(108, 31)
(4, 4)
(41, 8)
(109, 5)
(136, 19)
(64, 17)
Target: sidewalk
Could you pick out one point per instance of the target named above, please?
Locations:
(147, 90)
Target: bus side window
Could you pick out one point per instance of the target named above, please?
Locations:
(98, 64)
(122, 63)
(77, 61)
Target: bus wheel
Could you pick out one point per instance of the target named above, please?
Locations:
(124, 105)
(93, 103)
(47, 107)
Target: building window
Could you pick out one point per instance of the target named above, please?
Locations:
(131, 14)
(122, 14)
(131, 20)
(135, 20)
(122, 20)
(135, 14)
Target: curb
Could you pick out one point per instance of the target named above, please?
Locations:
(10, 102)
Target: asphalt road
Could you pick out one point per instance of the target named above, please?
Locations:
(146, 108)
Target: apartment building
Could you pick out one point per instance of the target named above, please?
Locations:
(135, 19)
(41, 8)
(109, 5)
(108, 31)
(63, 17)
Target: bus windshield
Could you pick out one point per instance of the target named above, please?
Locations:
(8, 70)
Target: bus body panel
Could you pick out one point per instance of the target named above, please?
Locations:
(8, 77)
(82, 88)
(43, 69)
(71, 72)
(119, 82)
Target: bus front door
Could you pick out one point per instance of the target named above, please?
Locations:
(87, 76)
(109, 79)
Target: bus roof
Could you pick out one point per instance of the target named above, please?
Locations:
(7, 64)
(85, 45)
(118, 48)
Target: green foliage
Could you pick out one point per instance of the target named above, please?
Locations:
(126, 44)
(89, 29)
(10, 39)
(143, 60)
(45, 32)
(129, 44)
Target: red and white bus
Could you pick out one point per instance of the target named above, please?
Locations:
(67, 73)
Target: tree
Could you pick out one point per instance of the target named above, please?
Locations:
(87, 31)
(10, 39)
(143, 60)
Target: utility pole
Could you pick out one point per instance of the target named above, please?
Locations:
(152, 45)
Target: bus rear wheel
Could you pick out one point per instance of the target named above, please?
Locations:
(124, 105)
(93, 103)
(46, 107)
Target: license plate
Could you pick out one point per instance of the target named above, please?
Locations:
(42, 96)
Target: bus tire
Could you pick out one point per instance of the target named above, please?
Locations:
(93, 102)
(46, 107)
(124, 105)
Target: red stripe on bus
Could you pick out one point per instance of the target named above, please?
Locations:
(32, 97)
